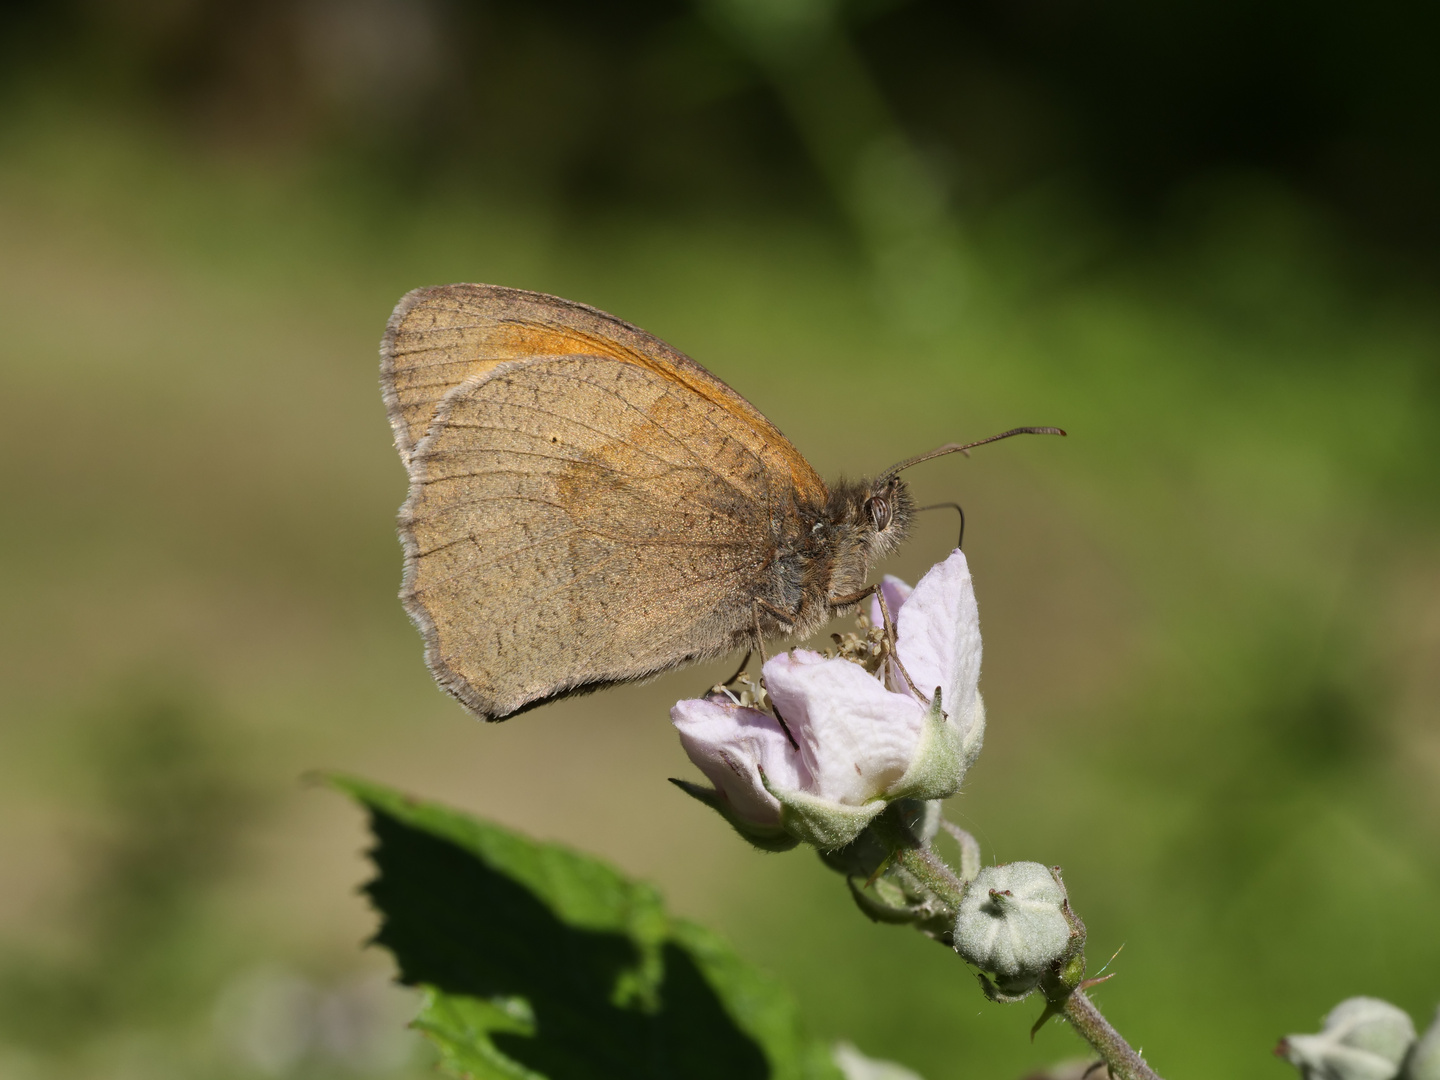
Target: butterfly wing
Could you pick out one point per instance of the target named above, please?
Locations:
(438, 337)
(579, 520)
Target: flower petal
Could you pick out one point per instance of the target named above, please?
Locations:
(896, 593)
(731, 744)
(938, 637)
(856, 737)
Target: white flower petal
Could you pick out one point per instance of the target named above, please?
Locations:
(938, 637)
(896, 593)
(856, 737)
(730, 745)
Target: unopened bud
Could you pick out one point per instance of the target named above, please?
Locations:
(1424, 1062)
(1363, 1039)
(1012, 924)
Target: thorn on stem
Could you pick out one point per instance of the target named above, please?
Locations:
(1050, 1010)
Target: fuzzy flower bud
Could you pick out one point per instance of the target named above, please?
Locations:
(863, 737)
(1424, 1062)
(1363, 1039)
(1014, 923)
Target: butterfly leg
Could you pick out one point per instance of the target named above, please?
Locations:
(755, 605)
(879, 594)
(741, 669)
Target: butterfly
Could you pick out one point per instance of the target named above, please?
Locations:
(589, 506)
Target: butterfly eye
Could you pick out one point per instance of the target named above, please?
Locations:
(878, 508)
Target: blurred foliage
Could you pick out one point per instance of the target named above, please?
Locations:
(1201, 237)
(170, 807)
(135, 963)
(661, 103)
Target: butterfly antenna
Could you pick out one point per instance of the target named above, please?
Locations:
(948, 506)
(965, 448)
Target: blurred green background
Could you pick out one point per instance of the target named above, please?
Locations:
(1200, 236)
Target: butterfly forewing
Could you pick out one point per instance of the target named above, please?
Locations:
(439, 337)
(580, 520)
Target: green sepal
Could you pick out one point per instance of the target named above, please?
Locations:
(764, 837)
(941, 757)
(863, 858)
(879, 907)
(822, 823)
(1007, 991)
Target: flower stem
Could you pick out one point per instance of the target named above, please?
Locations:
(932, 872)
(1123, 1061)
(917, 857)
(1063, 995)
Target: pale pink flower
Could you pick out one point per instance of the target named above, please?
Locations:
(863, 741)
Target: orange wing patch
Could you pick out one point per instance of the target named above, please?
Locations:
(439, 337)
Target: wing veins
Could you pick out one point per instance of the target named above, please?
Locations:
(574, 582)
(613, 438)
(687, 499)
(687, 584)
(620, 542)
(674, 438)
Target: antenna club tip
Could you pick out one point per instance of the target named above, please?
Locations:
(965, 448)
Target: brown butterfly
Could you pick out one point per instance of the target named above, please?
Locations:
(589, 506)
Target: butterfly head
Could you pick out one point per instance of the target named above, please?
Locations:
(868, 519)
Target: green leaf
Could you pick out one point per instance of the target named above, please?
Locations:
(539, 962)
